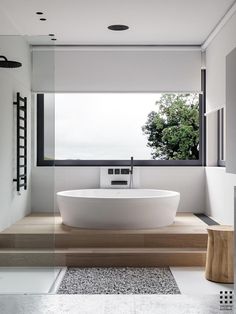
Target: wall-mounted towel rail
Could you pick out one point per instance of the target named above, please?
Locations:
(21, 142)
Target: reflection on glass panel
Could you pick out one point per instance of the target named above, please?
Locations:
(26, 216)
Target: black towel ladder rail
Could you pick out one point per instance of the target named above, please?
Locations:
(21, 142)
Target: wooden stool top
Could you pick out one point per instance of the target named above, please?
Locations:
(221, 228)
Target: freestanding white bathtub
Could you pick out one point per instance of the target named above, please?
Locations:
(118, 208)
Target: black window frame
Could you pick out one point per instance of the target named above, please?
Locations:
(221, 138)
(103, 163)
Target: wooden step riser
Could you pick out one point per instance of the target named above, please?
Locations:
(39, 241)
(182, 259)
(27, 241)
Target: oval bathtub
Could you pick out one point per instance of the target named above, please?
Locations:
(118, 208)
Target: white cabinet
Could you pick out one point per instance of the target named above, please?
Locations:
(231, 112)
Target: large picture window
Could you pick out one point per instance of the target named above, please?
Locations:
(101, 129)
(104, 129)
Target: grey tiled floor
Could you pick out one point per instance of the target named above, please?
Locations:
(110, 304)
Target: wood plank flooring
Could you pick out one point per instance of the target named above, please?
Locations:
(42, 240)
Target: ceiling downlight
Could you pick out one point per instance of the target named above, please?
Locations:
(118, 27)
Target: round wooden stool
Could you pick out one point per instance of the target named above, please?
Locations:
(220, 251)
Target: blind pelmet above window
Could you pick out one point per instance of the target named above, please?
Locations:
(114, 69)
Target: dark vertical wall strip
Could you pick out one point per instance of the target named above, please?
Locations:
(40, 128)
(202, 117)
(220, 138)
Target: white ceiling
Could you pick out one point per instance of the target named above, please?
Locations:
(85, 22)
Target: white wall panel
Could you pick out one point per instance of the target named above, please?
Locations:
(12, 205)
(219, 184)
(231, 112)
(220, 194)
(216, 54)
(189, 181)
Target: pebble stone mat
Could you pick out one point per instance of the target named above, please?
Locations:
(120, 280)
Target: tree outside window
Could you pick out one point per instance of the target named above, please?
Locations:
(173, 130)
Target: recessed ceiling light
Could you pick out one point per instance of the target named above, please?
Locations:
(43, 19)
(118, 27)
(52, 35)
(39, 13)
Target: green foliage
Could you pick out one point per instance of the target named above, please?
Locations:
(173, 131)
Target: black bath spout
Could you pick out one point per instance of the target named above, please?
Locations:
(131, 172)
(131, 165)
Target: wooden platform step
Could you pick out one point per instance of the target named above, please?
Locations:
(104, 257)
(83, 240)
(43, 240)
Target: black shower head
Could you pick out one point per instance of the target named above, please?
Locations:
(9, 64)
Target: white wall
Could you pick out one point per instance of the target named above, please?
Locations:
(216, 53)
(12, 205)
(219, 184)
(231, 112)
(189, 181)
(220, 194)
